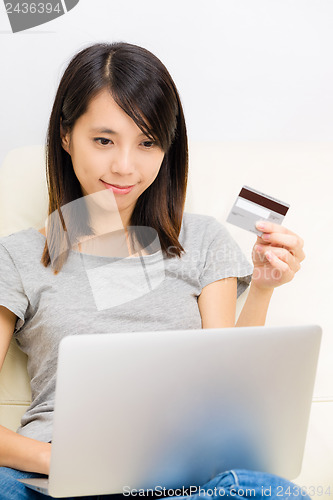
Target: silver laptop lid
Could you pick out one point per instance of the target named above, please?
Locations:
(174, 408)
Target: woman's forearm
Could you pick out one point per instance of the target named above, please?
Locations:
(23, 453)
(256, 306)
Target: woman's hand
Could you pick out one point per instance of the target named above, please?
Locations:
(276, 255)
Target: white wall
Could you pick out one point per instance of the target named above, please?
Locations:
(297, 173)
(252, 70)
(254, 74)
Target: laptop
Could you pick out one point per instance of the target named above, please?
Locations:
(172, 409)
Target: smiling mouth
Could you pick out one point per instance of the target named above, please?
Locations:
(118, 189)
(118, 185)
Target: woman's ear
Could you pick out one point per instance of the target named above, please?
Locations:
(65, 138)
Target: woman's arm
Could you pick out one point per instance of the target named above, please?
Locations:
(19, 452)
(217, 304)
(277, 255)
(23, 453)
(255, 308)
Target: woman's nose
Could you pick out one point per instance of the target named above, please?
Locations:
(122, 161)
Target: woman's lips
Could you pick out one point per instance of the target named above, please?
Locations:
(118, 189)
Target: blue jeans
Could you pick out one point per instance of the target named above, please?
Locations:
(235, 484)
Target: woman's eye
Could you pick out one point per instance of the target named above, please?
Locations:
(102, 141)
(148, 144)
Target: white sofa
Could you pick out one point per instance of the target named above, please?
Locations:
(23, 203)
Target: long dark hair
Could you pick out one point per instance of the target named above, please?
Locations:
(142, 86)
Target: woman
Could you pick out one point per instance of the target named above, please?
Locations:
(117, 172)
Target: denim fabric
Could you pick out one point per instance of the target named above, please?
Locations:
(11, 489)
(237, 484)
(240, 484)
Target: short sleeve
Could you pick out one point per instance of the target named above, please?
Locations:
(224, 259)
(12, 295)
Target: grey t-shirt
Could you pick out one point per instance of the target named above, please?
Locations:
(95, 294)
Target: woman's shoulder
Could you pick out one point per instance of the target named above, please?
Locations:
(23, 242)
(198, 225)
(196, 216)
(199, 232)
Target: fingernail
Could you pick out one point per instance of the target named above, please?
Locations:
(259, 248)
(260, 225)
(269, 255)
(266, 236)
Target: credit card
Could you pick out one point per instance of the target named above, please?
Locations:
(252, 205)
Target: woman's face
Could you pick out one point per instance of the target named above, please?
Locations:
(111, 156)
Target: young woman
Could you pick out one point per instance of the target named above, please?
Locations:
(117, 171)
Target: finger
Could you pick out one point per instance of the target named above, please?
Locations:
(281, 267)
(290, 241)
(270, 227)
(283, 254)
